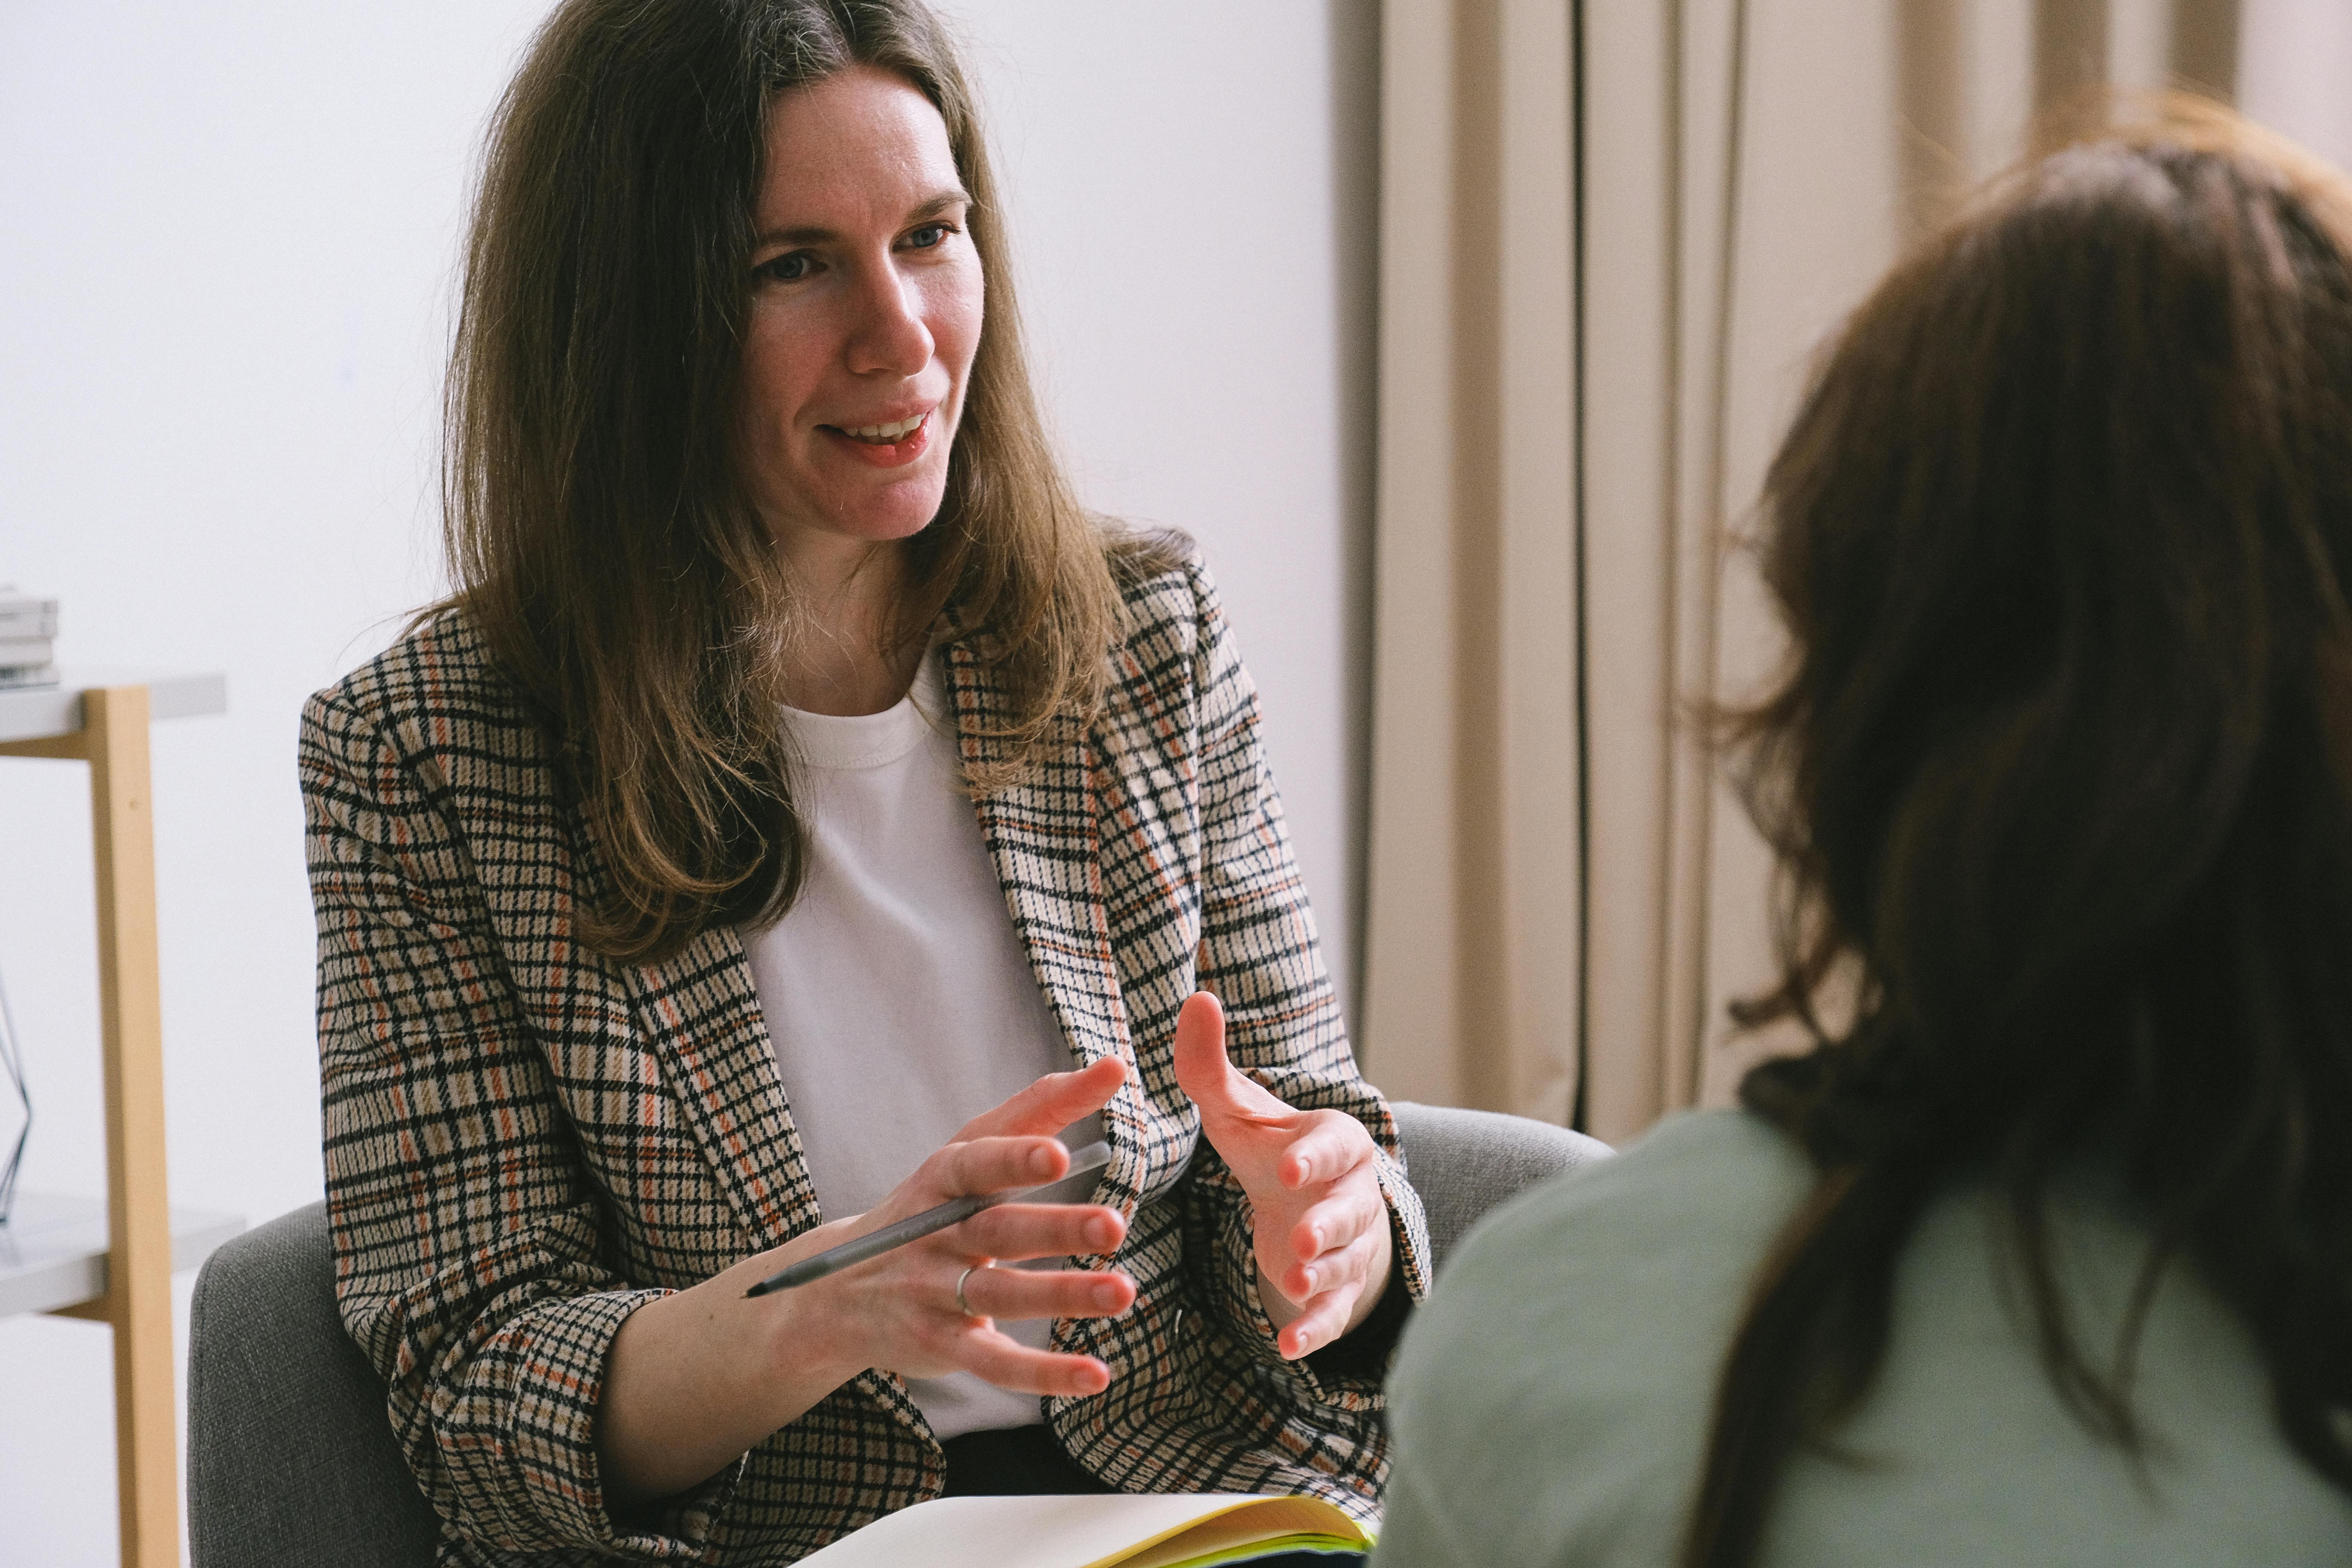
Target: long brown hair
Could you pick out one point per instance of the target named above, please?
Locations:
(597, 533)
(2060, 776)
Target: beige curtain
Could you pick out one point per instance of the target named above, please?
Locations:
(1611, 235)
(1473, 884)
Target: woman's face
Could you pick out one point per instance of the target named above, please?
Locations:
(866, 308)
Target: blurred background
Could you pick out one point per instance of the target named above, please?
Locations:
(1457, 331)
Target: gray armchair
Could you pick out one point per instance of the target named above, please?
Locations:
(1463, 1163)
(291, 1463)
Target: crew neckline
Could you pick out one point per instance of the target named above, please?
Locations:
(849, 741)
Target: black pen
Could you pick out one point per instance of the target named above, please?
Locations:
(914, 1228)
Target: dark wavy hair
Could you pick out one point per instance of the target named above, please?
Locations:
(2060, 776)
(598, 534)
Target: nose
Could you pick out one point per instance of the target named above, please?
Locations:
(889, 336)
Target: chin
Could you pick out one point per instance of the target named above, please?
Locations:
(875, 514)
(884, 525)
(884, 520)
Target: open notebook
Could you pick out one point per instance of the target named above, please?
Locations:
(1172, 1531)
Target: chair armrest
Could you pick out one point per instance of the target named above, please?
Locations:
(291, 1459)
(1463, 1163)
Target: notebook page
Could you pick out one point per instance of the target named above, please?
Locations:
(1259, 1522)
(1024, 1531)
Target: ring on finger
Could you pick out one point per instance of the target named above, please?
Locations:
(962, 1305)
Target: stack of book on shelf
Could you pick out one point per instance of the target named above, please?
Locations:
(29, 630)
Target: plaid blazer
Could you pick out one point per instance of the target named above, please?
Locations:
(525, 1141)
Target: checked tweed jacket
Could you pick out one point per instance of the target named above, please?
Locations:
(525, 1141)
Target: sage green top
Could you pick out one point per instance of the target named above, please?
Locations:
(1551, 1398)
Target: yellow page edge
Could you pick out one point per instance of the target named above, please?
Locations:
(1137, 1549)
(1243, 1552)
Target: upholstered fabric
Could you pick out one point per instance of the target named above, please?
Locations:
(525, 1141)
(291, 1463)
(1463, 1163)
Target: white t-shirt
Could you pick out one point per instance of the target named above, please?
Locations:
(897, 991)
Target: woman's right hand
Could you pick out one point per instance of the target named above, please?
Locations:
(898, 1312)
(695, 1378)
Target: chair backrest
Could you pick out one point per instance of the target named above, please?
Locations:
(1463, 1163)
(291, 1459)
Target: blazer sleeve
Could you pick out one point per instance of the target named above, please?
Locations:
(1259, 955)
(467, 1264)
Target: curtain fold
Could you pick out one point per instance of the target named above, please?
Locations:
(1612, 235)
(1473, 885)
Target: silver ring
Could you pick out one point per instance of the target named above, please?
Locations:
(961, 1305)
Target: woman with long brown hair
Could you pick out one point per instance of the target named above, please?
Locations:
(803, 813)
(2043, 1252)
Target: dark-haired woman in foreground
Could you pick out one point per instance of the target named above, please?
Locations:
(802, 814)
(2044, 1254)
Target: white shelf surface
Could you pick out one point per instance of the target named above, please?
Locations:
(36, 713)
(53, 1249)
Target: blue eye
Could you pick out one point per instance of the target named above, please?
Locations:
(929, 235)
(788, 267)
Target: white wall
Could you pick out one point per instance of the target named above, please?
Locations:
(2291, 71)
(1193, 193)
(225, 259)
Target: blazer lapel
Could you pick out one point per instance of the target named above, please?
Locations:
(1044, 835)
(611, 1030)
(700, 1015)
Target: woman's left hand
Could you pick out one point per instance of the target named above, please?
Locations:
(1321, 1233)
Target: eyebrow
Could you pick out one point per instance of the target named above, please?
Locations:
(929, 208)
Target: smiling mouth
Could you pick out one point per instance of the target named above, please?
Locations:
(896, 444)
(886, 434)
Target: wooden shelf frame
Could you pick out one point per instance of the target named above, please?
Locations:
(112, 739)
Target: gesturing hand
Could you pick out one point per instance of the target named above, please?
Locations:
(1321, 1225)
(697, 1376)
(902, 1310)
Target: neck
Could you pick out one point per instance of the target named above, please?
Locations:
(849, 592)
